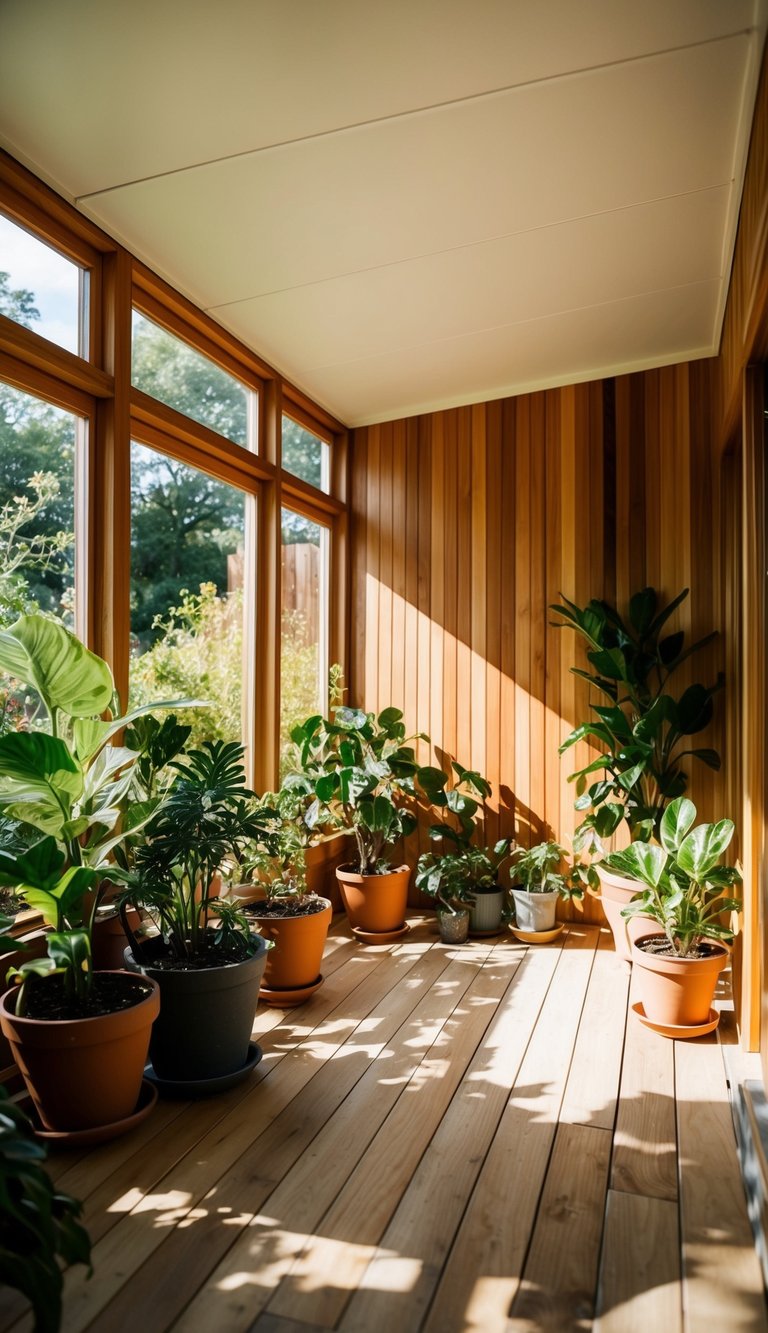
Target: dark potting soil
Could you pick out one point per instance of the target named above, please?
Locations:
(661, 948)
(211, 955)
(286, 907)
(10, 905)
(107, 994)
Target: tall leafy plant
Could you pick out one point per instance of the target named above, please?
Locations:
(71, 788)
(461, 864)
(361, 771)
(207, 817)
(643, 727)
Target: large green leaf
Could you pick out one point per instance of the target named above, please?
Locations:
(39, 775)
(46, 656)
(641, 860)
(701, 850)
(642, 608)
(677, 820)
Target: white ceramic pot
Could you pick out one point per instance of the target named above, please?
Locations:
(535, 911)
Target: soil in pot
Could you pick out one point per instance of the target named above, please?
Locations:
(374, 903)
(674, 991)
(208, 1007)
(298, 928)
(84, 1072)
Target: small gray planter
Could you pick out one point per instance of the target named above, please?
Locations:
(535, 911)
(453, 926)
(485, 918)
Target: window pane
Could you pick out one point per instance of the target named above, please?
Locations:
(37, 521)
(304, 637)
(305, 454)
(39, 288)
(171, 370)
(187, 542)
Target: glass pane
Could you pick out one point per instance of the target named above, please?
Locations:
(305, 454)
(39, 288)
(304, 637)
(187, 542)
(171, 370)
(37, 522)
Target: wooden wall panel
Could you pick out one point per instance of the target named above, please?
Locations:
(588, 490)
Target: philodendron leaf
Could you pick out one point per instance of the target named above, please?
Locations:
(703, 847)
(677, 820)
(38, 775)
(641, 860)
(54, 662)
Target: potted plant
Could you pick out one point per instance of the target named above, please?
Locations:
(281, 904)
(361, 772)
(680, 885)
(465, 878)
(538, 884)
(203, 954)
(643, 727)
(79, 1038)
(38, 1223)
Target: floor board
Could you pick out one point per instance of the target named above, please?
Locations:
(442, 1140)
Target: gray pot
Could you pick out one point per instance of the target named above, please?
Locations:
(535, 911)
(453, 926)
(485, 918)
(206, 1015)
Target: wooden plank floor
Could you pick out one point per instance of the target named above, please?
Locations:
(444, 1139)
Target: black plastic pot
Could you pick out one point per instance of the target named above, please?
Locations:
(206, 1015)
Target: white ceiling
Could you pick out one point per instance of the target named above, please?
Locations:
(411, 204)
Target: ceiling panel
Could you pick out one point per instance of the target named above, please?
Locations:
(140, 87)
(655, 329)
(672, 243)
(411, 204)
(440, 179)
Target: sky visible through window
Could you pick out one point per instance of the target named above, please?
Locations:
(52, 280)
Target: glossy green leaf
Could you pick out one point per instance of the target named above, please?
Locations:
(48, 657)
(678, 818)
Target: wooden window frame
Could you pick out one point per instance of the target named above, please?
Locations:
(100, 390)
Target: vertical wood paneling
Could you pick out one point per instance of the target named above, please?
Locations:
(474, 520)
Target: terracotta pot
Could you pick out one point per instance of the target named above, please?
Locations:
(485, 917)
(535, 911)
(677, 992)
(616, 892)
(453, 926)
(86, 1072)
(374, 903)
(299, 942)
(109, 940)
(205, 1024)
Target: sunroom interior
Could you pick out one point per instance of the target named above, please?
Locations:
(360, 336)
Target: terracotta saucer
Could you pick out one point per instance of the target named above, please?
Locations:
(286, 998)
(88, 1138)
(538, 936)
(202, 1087)
(679, 1033)
(380, 936)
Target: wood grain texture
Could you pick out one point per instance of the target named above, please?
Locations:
(640, 1268)
(546, 493)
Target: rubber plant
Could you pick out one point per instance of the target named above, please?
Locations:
(643, 727)
(38, 1224)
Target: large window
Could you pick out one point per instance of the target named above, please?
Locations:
(305, 455)
(169, 561)
(187, 558)
(37, 520)
(173, 372)
(41, 289)
(304, 624)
